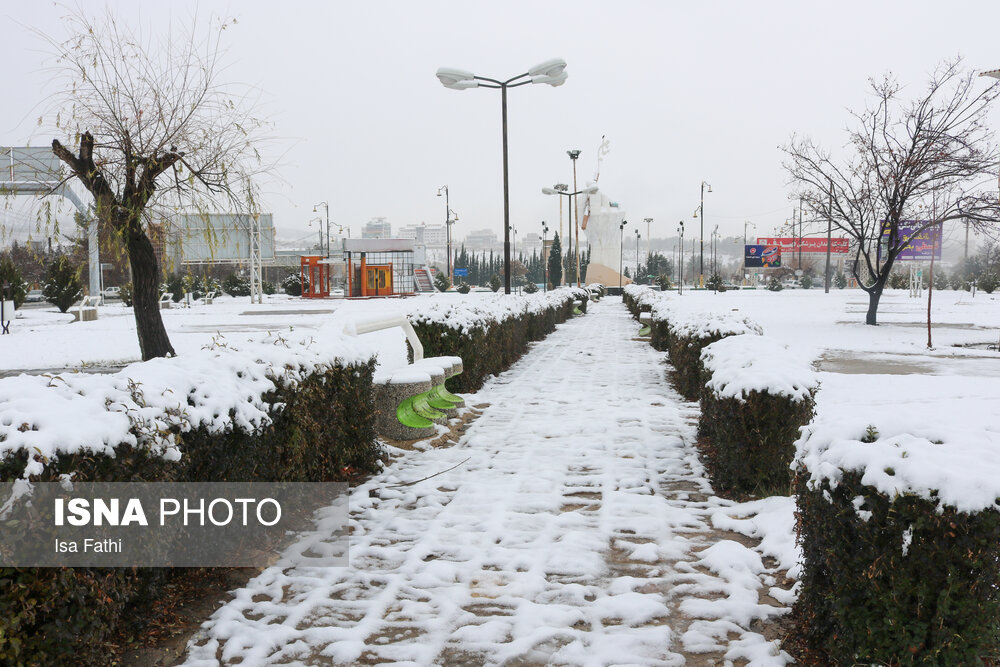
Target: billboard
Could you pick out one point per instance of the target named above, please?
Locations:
(220, 238)
(838, 246)
(24, 164)
(761, 256)
(920, 248)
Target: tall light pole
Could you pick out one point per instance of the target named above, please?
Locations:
(715, 264)
(552, 72)
(680, 264)
(573, 155)
(545, 259)
(447, 227)
(591, 189)
(649, 239)
(745, 223)
(327, 208)
(621, 253)
(700, 213)
(637, 236)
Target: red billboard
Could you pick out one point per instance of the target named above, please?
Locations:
(838, 246)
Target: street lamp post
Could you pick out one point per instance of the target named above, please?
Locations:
(680, 264)
(447, 227)
(545, 259)
(745, 223)
(552, 72)
(649, 239)
(591, 189)
(700, 213)
(327, 209)
(573, 155)
(621, 253)
(636, 277)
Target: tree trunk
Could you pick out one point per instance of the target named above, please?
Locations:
(873, 298)
(153, 340)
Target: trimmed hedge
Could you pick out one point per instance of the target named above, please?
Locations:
(748, 445)
(492, 345)
(757, 397)
(322, 429)
(898, 581)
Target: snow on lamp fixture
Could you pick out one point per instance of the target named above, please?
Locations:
(552, 72)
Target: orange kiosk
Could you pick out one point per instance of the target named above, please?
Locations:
(379, 267)
(314, 272)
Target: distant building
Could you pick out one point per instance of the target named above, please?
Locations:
(377, 228)
(482, 239)
(531, 241)
(432, 235)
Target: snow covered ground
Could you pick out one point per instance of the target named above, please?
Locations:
(575, 529)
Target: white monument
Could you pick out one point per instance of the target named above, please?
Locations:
(602, 223)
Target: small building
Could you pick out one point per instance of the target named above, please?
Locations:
(379, 267)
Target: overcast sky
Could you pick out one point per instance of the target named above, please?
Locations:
(685, 92)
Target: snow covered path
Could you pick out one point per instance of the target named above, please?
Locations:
(578, 532)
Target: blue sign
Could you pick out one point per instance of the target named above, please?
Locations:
(761, 256)
(461, 272)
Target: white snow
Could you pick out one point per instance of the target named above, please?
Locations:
(739, 365)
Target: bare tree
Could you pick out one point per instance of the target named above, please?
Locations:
(148, 129)
(910, 164)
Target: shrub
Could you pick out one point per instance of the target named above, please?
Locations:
(987, 282)
(62, 284)
(663, 281)
(757, 397)
(806, 281)
(530, 288)
(441, 282)
(491, 336)
(899, 280)
(269, 287)
(293, 284)
(495, 283)
(715, 283)
(321, 429)
(774, 284)
(175, 286)
(840, 280)
(10, 274)
(941, 281)
(235, 285)
(689, 334)
(463, 288)
(896, 580)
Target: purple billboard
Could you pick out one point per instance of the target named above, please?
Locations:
(920, 248)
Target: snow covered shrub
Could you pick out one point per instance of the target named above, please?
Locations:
(293, 285)
(757, 397)
(463, 288)
(900, 538)
(283, 409)
(987, 282)
(774, 285)
(689, 333)
(11, 275)
(125, 294)
(840, 280)
(530, 288)
(235, 285)
(495, 283)
(490, 334)
(441, 282)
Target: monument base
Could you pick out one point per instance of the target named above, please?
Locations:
(598, 273)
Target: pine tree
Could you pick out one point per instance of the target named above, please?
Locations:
(62, 284)
(555, 261)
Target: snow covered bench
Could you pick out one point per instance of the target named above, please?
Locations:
(646, 323)
(86, 310)
(209, 297)
(412, 399)
(166, 299)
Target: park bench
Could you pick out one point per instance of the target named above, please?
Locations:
(209, 297)
(412, 399)
(6, 314)
(86, 310)
(645, 323)
(166, 299)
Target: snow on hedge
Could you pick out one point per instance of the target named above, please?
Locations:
(934, 437)
(467, 314)
(147, 403)
(739, 365)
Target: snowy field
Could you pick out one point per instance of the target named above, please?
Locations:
(578, 526)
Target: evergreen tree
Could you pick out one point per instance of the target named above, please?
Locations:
(841, 281)
(555, 261)
(11, 275)
(441, 282)
(62, 284)
(495, 282)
